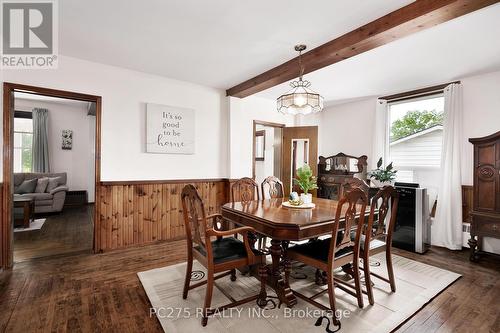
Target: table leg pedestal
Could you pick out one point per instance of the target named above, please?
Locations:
(276, 280)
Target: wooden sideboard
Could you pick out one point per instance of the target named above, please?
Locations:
(334, 170)
(486, 192)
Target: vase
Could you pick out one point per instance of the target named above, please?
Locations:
(379, 184)
(306, 198)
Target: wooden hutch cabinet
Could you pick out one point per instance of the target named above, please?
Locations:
(334, 170)
(486, 191)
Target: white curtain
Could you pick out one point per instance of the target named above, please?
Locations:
(380, 134)
(447, 226)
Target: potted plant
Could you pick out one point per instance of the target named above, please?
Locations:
(383, 176)
(307, 182)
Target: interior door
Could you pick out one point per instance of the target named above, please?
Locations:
(300, 146)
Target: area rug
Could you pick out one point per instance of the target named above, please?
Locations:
(416, 285)
(35, 225)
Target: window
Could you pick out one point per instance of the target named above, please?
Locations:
(23, 138)
(415, 139)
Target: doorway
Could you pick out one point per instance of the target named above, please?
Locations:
(62, 127)
(267, 153)
(279, 151)
(300, 147)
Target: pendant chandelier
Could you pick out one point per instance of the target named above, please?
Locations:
(301, 99)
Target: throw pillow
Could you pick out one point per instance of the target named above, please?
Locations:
(28, 186)
(41, 185)
(53, 183)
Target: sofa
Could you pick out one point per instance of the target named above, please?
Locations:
(52, 199)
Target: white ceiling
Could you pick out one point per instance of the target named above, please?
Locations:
(218, 43)
(456, 49)
(221, 43)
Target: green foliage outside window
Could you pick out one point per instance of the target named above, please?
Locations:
(415, 121)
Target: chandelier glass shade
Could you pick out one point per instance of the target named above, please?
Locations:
(301, 99)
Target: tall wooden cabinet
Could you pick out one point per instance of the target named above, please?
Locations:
(486, 191)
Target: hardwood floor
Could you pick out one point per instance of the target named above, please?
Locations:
(101, 292)
(67, 232)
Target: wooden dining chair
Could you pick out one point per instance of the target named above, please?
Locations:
(222, 254)
(354, 182)
(377, 236)
(338, 250)
(275, 187)
(244, 190)
(349, 184)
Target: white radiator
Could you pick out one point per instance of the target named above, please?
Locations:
(465, 234)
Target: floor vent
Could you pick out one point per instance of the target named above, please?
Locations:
(76, 198)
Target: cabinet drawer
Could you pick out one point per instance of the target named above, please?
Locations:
(333, 179)
(486, 225)
(489, 228)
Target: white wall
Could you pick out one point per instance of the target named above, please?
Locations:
(346, 128)
(242, 113)
(124, 97)
(74, 162)
(481, 100)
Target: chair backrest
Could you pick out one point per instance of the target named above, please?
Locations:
(275, 187)
(351, 183)
(244, 190)
(194, 216)
(351, 208)
(385, 199)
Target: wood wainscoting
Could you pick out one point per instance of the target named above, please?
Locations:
(142, 212)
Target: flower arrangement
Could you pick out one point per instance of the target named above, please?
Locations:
(383, 175)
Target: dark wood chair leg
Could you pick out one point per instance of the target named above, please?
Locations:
(390, 271)
(368, 279)
(331, 296)
(357, 283)
(208, 297)
(233, 275)
(252, 237)
(189, 269)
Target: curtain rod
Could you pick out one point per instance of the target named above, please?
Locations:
(417, 93)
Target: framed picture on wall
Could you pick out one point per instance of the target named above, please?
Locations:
(67, 139)
(170, 130)
(260, 144)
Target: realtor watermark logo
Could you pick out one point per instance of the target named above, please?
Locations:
(29, 34)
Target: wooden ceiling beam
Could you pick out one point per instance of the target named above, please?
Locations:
(415, 17)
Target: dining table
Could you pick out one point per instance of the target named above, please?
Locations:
(284, 225)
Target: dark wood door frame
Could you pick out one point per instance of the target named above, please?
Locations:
(6, 255)
(262, 123)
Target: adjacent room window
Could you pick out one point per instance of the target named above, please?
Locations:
(415, 138)
(23, 139)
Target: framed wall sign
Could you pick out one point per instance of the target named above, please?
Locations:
(170, 130)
